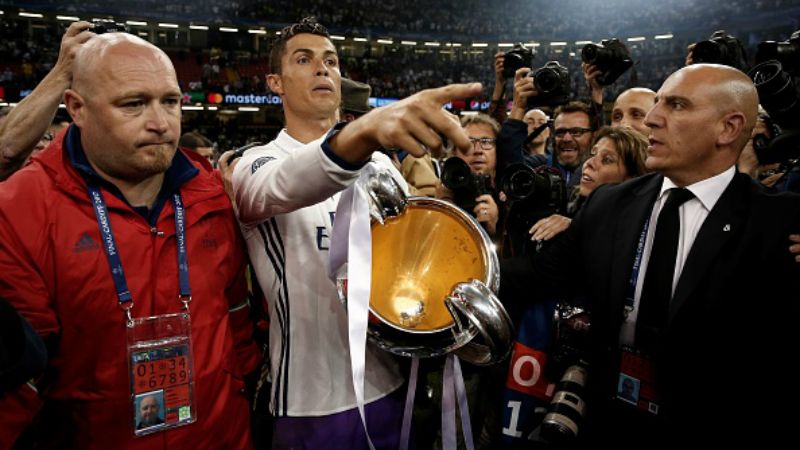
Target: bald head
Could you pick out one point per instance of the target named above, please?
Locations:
(730, 90)
(94, 57)
(631, 107)
(702, 118)
(126, 101)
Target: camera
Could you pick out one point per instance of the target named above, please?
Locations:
(515, 59)
(553, 85)
(778, 95)
(787, 53)
(721, 48)
(571, 328)
(102, 26)
(565, 414)
(534, 193)
(466, 185)
(571, 325)
(610, 56)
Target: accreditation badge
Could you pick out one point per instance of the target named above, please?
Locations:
(636, 384)
(161, 372)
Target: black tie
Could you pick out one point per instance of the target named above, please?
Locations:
(657, 288)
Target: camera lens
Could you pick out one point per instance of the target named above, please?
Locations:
(775, 89)
(546, 80)
(521, 184)
(567, 408)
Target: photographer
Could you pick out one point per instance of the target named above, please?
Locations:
(776, 144)
(748, 161)
(480, 196)
(573, 127)
(497, 108)
(511, 140)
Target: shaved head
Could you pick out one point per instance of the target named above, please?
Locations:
(702, 118)
(92, 57)
(126, 101)
(732, 91)
(631, 107)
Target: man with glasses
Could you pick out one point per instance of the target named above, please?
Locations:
(482, 159)
(573, 134)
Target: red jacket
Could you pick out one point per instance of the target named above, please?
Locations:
(53, 269)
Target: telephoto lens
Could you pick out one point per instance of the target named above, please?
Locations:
(563, 419)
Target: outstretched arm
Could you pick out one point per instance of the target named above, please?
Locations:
(412, 124)
(29, 120)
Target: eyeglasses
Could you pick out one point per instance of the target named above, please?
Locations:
(486, 143)
(575, 132)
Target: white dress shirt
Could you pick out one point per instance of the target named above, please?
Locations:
(692, 215)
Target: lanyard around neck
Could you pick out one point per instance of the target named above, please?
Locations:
(112, 251)
(637, 264)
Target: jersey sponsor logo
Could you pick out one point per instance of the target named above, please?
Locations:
(85, 244)
(260, 162)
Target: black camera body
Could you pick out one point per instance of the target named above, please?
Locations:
(610, 56)
(102, 26)
(553, 85)
(515, 59)
(466, 185)
(569, 364)
(534, 193)
(778, 94)
(721, 48)
(787, 53)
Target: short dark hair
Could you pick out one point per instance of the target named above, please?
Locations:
(308, 25)
(194, 140)
(573, 107)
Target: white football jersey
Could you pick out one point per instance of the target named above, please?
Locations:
(286, 193)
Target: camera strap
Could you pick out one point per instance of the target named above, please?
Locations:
(535, 133)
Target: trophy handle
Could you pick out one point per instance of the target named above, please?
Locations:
(387, 198)
(483, 311)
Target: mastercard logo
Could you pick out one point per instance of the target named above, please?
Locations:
(214, 98)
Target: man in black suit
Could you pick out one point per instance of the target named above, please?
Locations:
(711, 352)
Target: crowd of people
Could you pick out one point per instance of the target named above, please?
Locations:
(394, 71)
(458, 19)
(157, 294)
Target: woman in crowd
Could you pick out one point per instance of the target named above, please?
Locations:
(617, 155)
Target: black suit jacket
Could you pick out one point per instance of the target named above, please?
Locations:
(731, 335)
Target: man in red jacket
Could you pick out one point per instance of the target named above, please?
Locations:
(123, 253)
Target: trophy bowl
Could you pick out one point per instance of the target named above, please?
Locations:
(434, 276)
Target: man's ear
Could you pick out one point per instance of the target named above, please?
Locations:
(733, 125)
(76, 107)
(275, 83)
